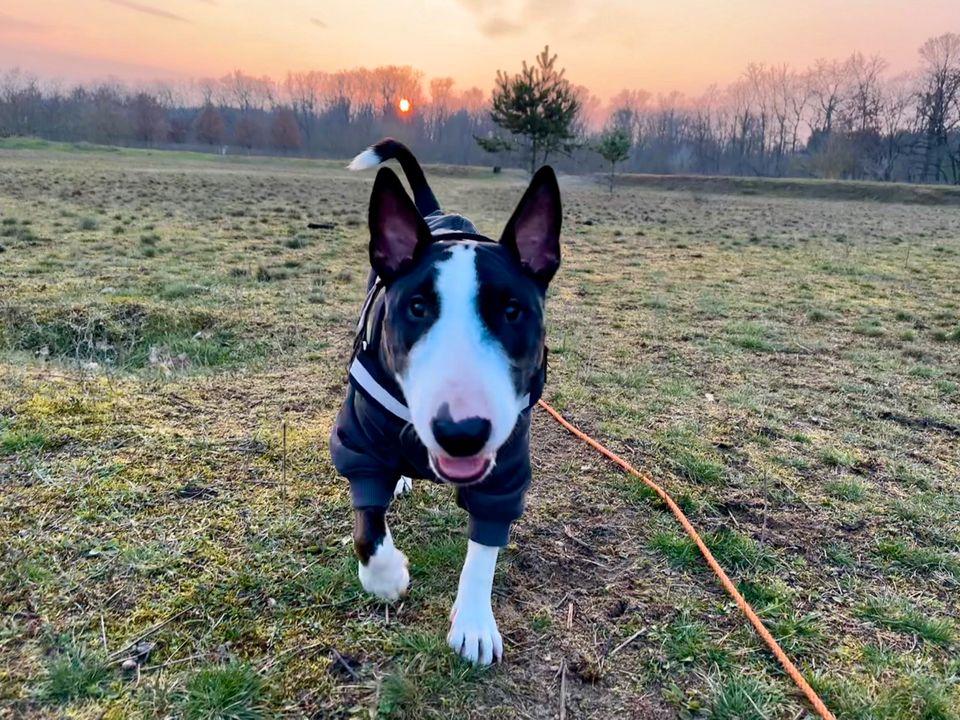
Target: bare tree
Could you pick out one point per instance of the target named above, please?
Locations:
(939, 105)
(779, 85)
(441, 104)
(393, 82)
(827, 83)
(861, 109)
(758, 82)
(898, 106)
(305, 92)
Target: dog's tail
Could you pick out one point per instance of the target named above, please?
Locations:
(390, 149)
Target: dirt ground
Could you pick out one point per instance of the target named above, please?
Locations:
(787, 367)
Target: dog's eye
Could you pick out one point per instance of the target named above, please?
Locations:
(418, 307)
(512, 312)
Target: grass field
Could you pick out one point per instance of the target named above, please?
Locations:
(788, 367)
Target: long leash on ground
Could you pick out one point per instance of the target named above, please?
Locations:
(725, 581)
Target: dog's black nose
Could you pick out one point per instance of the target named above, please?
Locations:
(463, 438)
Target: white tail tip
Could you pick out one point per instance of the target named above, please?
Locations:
(365, 160)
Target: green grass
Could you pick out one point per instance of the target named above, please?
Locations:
(870, 328)
(911, 474)
(230, 692)
(848, 490)
(149, 365)
(178, 290)
(917, 558)
(837, 457)
(424, 672)
(910, 697)
(13, 441)
(129, 335)
(752, 336)
(742, 698)
(685, 640)
(798, 632)
(75, 673)
(698, 468)
(767, 598)
(733, 550)
(903, 617)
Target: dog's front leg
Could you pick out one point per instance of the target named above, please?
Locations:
(383, 569)
(473, 629)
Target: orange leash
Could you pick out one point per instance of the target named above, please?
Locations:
(752, 616)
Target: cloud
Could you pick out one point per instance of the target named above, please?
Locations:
(318, 22)
(499, 26)
(148, 10)
(8, 22)
(477, 6)
(496, 18)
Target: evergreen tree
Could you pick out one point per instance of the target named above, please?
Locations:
(538, 107)
(614, 147)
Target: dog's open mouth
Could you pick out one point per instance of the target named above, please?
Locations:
(461, 470)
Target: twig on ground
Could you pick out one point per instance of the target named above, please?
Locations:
(563, 667)
(626, 642)
(793, 492)
(563, 689)
(160, 666)
(148, 633)
(344, 664)
(283, 462)
(290, 651)
(306, 567)
(735, 522)
(576, 540)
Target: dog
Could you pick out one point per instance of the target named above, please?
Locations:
(449, 359)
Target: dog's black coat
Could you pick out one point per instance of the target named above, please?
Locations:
(371, 446)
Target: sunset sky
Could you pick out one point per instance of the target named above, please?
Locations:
(607, 44)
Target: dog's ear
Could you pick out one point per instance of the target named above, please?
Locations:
(533, 232)
(397, 232)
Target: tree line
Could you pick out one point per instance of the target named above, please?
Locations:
(843, 118)
(837, 119)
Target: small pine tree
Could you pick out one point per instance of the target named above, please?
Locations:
(537, 104)
(614, 147)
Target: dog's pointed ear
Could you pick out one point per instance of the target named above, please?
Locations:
(397, 232)
(533, 232)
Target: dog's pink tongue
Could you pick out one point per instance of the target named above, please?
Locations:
(461, 468)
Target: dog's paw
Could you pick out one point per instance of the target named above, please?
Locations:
(474, 633)
(404, 485)
(386, 574)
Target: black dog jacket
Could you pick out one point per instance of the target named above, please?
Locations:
(373, 442)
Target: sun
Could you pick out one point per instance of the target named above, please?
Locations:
(404, 105)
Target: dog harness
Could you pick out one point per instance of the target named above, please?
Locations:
(366, 373)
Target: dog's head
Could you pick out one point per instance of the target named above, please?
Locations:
(464, 327)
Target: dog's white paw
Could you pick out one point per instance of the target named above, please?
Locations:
(386, 574)
(473, 631)
(404, 485)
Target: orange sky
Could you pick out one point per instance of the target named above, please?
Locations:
(607, 44)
